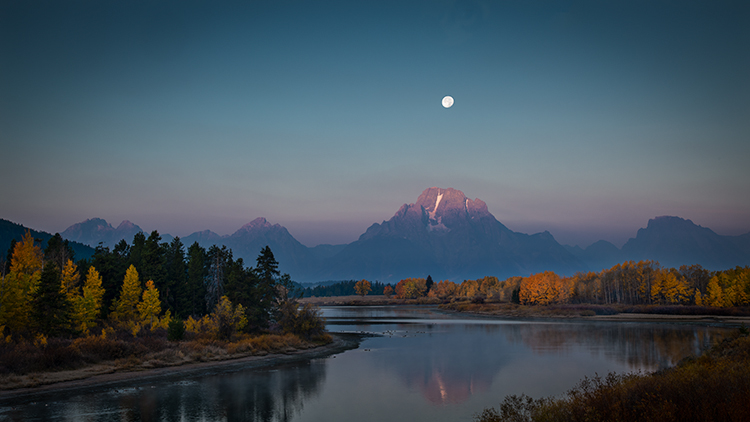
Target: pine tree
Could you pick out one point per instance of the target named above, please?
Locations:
(50, 307)
(195, 298)
(126, 306)
(58, 251)
(175, 288)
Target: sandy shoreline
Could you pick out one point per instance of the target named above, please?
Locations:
(102, 377)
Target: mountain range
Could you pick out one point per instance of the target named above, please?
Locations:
(449, 236)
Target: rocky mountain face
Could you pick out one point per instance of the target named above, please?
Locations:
(247, 242)
(449, 236)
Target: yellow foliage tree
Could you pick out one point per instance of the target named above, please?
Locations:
(150, 307)
(715, 295)
(69, 281)
(444, 289)
(126, 306)
(20, 283)
(540, 289)
(469, 288)
(362, 287)
(223, 321)
(698, 298)
(86, 307)
(411, 288)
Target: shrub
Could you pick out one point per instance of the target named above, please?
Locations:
(175, 330)
(304, 321)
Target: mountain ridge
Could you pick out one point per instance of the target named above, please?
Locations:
(448, 235)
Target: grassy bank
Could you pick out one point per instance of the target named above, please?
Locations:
(26, 364)
(712, 387)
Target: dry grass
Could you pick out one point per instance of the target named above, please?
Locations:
(27, 365)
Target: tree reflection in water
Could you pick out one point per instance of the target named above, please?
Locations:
(276, 395)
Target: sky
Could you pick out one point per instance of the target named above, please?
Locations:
(583, 118)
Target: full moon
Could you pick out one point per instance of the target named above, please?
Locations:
(447, 101)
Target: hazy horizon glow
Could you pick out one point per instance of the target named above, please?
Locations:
(582, 118)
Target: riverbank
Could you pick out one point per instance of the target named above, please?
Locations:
(623, 313)
(113, 373)
(674, 314)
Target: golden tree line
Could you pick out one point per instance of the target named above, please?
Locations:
(631, 283)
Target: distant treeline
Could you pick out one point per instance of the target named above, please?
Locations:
(629, 283)
(342, 288)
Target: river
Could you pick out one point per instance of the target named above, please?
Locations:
(417, 364)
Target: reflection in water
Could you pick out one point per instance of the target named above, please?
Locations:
(423, 366)
(254, 395)
(450, 360)
(639, 345)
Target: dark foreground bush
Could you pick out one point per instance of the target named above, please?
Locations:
(175, 330)
(713, 387)
(304, 321)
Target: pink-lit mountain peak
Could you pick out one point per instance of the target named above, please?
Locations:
(439, 202)
(257, 224)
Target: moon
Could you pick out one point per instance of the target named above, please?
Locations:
(447, 101)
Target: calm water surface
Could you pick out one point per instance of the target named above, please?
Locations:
(421, 365)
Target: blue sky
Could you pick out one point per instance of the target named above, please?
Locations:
(584, 118)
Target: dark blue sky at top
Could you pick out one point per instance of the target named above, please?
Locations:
(584, 118)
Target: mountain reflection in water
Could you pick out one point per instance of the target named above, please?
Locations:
(449, 360)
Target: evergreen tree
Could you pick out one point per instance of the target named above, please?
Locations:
(195, 297)
(136, 251)
(58, 251)
(266, 271)
(217, 263)
(50, 307)
(176, 277)
(240, 283)
(9, 257)
(112, 267)
(429, 283)
(154, 261)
